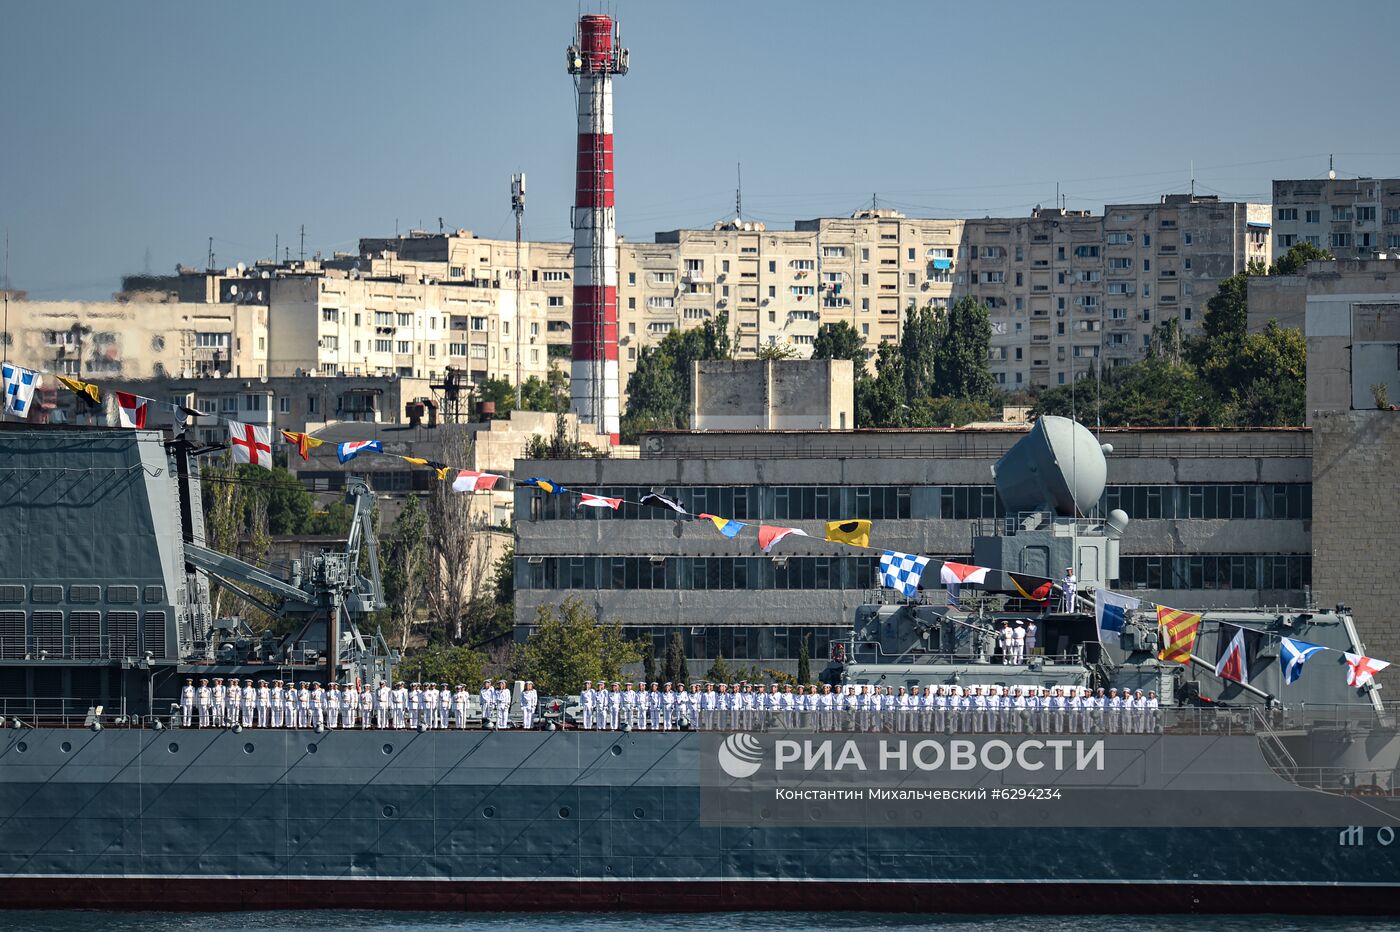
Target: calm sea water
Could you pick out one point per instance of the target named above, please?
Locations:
(353, 921)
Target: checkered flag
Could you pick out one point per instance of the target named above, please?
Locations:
(902, 571)
(19, 388)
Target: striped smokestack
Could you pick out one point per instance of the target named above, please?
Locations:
(593, 60)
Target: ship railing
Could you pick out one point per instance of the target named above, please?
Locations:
(70, 647)
(64, 712)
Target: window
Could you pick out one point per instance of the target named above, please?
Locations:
(912, 254)
(992, 278)
(1123, 288)
(772, 266)
(383, 319)
(631, 278)
(1365, 215)
(656, 302)
(801, 291)
(456, 271)
(695, 265)
(330, 315)
(1340, 240)
(1392, 215)
(479, 324)
(1341, 214)
(864, 255)
(383, 346)
(833, 252)
(313, 404)
(1089, 275)
(1119, 239)
(803, 265)
(1118, 313)
(1288, 213)
(555, 275)
(206, 340)
(1186, 239)
(1312, 216)
(1086, 252)
(664, 278)
(403, 346)
(557, 300)
(456, 349)
(229, 403)
(478, 351)
(1120, 262)
(405, 320)
(1147, 265)
(253, 402)
(284, 405)
(1186, 264)
(330, 342)
(660, 327)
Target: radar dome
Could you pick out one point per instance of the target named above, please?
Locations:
(1057, 467)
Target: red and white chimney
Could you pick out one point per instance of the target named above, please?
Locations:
(593, 60)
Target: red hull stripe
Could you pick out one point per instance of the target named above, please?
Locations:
(207, 894)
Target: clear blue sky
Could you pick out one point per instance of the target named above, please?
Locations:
(139, 129)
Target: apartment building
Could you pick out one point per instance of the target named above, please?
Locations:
(139, 338)
(1068, 288)
(1353, 218)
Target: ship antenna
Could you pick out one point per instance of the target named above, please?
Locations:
(5, 342)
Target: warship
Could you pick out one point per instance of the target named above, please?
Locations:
(1257, 796)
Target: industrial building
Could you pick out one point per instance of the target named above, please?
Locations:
(1219, 518)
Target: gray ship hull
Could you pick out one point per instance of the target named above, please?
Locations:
(571, 820)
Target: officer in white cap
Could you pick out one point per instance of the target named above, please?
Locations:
(187, 703)
(529, 702)
(203, 697)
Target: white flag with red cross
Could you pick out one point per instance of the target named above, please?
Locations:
(250, 444)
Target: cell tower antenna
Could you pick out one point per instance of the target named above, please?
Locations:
(209, 258)
(1331, 169)
(517, 206)
(1193, 178)
(739, 192)
(303, 242)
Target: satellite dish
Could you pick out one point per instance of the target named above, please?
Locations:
(233, 291)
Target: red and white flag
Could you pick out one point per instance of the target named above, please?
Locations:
(954, 574)
(250, 444)
(598, 501)
(131, 409)
(768, 535)
(1362, 670)
(470, 481)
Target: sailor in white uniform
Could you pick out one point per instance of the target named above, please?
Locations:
(217, 698)
(529, 702)
(349, 704)
(461, 700)
(1007, 640)
(415, 705)
(503, 698)
(332, 701)
(668, 707)
(487, 697)
(585, 701)
(250, 703)
(614, 707)
(398, 704)
(1067, 588)
(1031, 631)
(264, 703)
(203, 697)
(290, 696)
(382, 699)
(187, 703)
(1018, 643)
(708, 702)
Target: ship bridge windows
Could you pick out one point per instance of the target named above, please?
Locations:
(121, 595)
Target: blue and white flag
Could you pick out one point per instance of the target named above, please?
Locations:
(19, 389)
(1111, 612)
(1292, 654)
(902, 571)
(346, 452)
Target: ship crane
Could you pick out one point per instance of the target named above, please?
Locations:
(328, 606)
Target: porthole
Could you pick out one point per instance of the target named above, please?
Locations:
(639, 813)
(388, 749)
(389, 812)
(617, 750)
(21, 747)
(489, 812)
(248, 748)
(65, 747)
(563, 812)
(311, 749)
(174, 748)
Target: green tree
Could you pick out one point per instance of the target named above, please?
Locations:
(962, 353)
(675, 670)
(1297, 258)
(331, 521)
(947, 412)
(570, 646)
(884, 405)
(720, 671)
(405, 567)
(919, 350)
(648, 662)
(840, 340)
(658, 391)
(1227, 314)
(804, 662)
(1267, 376)
(441, 663)
(776, 351)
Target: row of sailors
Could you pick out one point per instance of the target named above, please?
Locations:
(976, 708)
(303, 705)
